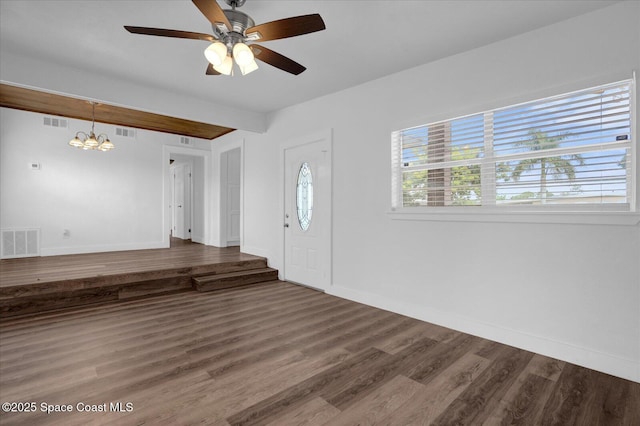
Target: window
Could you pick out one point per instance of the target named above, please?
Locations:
(304, 196)
(573, 149)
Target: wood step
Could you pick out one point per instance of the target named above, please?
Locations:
(40, 296)
(234, 279)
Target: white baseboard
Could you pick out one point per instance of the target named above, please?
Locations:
(607, 363)
(57, 251)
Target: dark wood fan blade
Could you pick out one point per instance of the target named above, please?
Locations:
(277, 60)
(288, 27)
(212, 11)
(169, 33)
(211, 71)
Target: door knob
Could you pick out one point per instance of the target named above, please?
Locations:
(286, 225)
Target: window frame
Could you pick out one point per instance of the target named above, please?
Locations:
(617, 214)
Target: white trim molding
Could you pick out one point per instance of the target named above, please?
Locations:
(471, 214)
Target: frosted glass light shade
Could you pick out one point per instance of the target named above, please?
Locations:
(91, 143)
(250, 67)
(242, 54)
(106, 145)
(216, 53)
(225, 67)
(76, 143)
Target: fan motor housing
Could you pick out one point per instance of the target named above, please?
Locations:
(239, 21)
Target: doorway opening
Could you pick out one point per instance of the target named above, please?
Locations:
(182, 202)
(186, 195)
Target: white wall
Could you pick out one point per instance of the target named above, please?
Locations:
(107, 201)
(566, 290)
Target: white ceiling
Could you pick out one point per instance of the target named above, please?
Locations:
(364, 40)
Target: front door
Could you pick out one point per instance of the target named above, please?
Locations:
(307, 214)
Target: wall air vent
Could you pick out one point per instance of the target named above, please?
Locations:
(20, 243)
(126, 132)
(185, 141)
(55, 122)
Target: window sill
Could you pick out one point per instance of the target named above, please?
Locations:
(494, 216)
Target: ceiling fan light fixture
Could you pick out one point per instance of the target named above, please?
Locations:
(225, 67)
(216, 53)
(242, 54)
(232, 29)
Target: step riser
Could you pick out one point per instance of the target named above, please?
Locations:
(67, 299)
(236, 281)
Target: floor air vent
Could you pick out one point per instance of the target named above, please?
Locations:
(20, 243)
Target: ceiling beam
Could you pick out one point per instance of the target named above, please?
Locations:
(65, 106)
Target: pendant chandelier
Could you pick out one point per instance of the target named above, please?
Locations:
(91, 141)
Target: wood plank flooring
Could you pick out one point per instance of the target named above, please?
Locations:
(281, 354)
(32, 285)
(28, 271)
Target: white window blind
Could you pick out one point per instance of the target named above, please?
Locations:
(569, 149)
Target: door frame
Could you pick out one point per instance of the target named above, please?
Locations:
(326, 137)
(167, 150)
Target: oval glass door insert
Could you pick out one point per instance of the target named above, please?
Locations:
(304, 196)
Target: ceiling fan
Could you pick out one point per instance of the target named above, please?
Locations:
(232, 30)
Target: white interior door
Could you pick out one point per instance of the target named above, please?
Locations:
(233, 197)
(307, 214)
(188, 202)
(181, 207)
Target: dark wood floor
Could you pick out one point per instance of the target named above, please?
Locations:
(32, 285)
(282, 354)
(49, 269)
